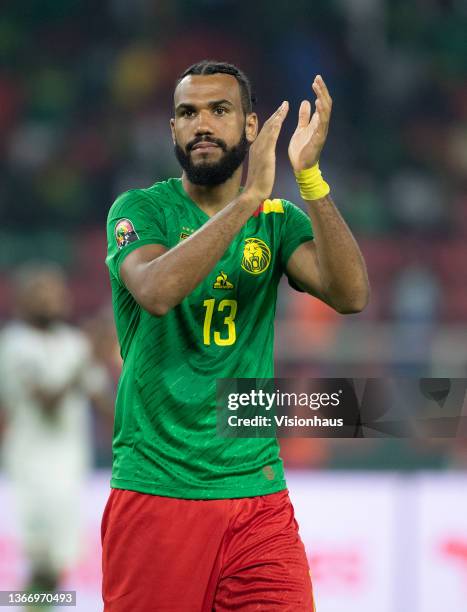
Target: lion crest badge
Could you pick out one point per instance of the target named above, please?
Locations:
(256, 256)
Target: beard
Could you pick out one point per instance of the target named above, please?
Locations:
(212, 173)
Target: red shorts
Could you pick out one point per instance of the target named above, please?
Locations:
(161, 554)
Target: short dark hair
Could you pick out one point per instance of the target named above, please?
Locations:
(214, 67)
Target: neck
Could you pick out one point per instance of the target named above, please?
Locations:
(212, 199)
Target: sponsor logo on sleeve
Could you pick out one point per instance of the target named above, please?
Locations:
(125, 233)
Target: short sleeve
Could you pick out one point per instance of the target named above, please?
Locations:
(133, 221)
(296, 230)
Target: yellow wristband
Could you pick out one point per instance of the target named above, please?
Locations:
(311, 184)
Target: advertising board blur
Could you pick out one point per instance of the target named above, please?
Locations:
(374, 541)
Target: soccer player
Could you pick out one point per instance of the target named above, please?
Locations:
(195, 522)
(48, 374)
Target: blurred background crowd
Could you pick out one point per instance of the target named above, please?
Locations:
(85, 101)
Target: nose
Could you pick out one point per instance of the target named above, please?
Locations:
(203, 125)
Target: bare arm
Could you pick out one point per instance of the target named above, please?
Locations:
(331, 267)
(159, 279)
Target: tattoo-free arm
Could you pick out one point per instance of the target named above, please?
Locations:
(159, 279)
(331, 267)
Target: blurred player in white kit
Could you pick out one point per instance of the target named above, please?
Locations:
(48, 376)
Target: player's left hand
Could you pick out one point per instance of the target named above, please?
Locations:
(310, 135)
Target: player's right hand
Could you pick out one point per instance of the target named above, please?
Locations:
(262, 156)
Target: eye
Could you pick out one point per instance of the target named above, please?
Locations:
(220, 110)
(187, 113)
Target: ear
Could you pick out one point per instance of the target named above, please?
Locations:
(172, 129)
(251, 127)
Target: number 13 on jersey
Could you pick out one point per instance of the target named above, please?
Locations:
(230, 309)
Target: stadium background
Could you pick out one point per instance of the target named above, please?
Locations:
(85, 97)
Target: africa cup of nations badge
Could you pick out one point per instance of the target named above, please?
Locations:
(125, 233)
(256, 256)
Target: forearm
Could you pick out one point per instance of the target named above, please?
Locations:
(175, 274)
(339, 275)
(342, 268)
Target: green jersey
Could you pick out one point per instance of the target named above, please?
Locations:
(165, 439)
